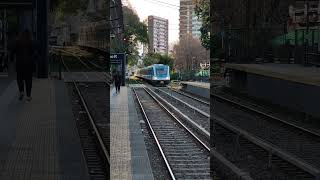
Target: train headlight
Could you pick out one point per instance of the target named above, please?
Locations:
(154, 78)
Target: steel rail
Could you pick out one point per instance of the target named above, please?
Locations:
(177, 120)
(194, 124)
(93, 64)
(82, 62)
(190, 106)
(269, 148)
(155, 136)
(96, 131)
(266, 115)
(197, 99)
(238, 172)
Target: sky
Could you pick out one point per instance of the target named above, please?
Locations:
(169, 9)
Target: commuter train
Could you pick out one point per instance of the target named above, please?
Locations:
(157, 74)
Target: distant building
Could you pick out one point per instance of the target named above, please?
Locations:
(158, 34)
(298, 15)
(189, 22)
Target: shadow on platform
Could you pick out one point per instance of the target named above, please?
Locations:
(39, 139)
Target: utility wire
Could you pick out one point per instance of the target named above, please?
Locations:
(164, 4)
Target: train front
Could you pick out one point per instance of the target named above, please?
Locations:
(161, 74)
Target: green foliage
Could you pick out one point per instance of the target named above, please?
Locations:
(167, 60)
(215, 68)
(135, 32)
(175, 76)
(216, 46)
(150, 59)
(202, 10)
(63, 8)
(156, 58)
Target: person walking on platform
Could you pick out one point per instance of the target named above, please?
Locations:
(24, 49)
(117, 82)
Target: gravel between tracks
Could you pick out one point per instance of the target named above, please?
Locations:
(197, 104)
(97, 98)
(95, 165)
(195, 116)
(187, 159)
(290, 139)
(158, 166)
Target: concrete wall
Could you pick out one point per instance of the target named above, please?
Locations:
(202, 92)
(300, 97)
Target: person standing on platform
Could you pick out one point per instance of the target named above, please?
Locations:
(117, 82)
(24, 50)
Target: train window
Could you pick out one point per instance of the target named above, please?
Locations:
(161, 71)
(150, 71)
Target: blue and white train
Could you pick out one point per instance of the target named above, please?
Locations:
(156, 74)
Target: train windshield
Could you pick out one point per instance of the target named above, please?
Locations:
(161, 71)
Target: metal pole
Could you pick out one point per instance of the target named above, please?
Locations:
(123, 69)
(5, 25)
(60, 65)
(307, 33)
(42, 37)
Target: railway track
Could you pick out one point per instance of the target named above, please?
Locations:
(284, 149)
(202, 100)
(183, 151)
(196, 102)
(93, 136)
(90, 65)
(194, 117)
(185, 155)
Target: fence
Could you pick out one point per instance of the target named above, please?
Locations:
(245, 45)
(191, 76)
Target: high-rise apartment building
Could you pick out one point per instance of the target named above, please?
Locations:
(189, 22)
(158, 34)
(304, 14)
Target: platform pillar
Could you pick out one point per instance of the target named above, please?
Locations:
(41, 7)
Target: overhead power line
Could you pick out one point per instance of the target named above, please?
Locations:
(165, 4)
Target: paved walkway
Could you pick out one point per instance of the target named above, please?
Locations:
(119, 133)
(129, 158)
(39, 139)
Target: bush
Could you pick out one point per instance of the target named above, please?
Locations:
(174, 76)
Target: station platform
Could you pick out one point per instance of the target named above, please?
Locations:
(289, 72)
(39, 139)
(292, 86)
(129, 157)
(201, 89)
(198, 84)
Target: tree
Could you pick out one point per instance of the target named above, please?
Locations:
(167, 60)
(135, 32)
(202, 10)
(151, 58)
(63, 8)
(156, 58)
(189, 53)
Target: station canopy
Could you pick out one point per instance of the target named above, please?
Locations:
(15, 3)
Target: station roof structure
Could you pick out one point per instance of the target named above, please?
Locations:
(16, 3)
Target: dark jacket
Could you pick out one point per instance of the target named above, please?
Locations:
(25, 53)
(117, 79)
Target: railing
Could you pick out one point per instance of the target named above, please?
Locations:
(259, 45)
